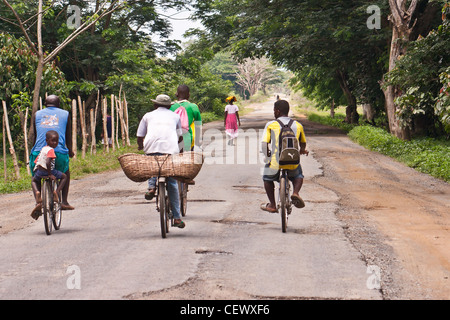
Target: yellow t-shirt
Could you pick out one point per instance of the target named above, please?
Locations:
(271, 137)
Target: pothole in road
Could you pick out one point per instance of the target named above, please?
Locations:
(204, 200)
(213, 252)
(239, 223)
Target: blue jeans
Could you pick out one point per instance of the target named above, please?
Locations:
(172, 190)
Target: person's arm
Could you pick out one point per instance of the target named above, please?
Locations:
(225, 119)
(69, 137)
(303, 148)
(141, 133)
(140, 142)
(237, 116)
(265, 143)
(302, 141)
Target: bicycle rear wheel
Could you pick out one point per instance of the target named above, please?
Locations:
(162, 208)
(283, 203)
(57, 210)
(47, 205)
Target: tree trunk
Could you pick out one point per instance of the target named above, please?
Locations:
(407, 24)
(11, 145)
(399, 35)
(39, 72)
(352, 115)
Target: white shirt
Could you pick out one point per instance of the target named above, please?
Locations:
(161, 129)
(231, 108)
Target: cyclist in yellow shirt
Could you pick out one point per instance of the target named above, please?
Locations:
(272, 168)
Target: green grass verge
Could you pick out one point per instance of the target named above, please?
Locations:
(426, 155)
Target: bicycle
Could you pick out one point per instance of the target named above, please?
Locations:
(163, 206)
(51, 208)
(284, 203)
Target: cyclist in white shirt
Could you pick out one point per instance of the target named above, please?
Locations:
(160, 133)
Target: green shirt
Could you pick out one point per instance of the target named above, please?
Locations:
(194, 116)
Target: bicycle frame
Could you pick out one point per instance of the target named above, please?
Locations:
(284, 199)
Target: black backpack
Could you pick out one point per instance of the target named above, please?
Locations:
(288, 145)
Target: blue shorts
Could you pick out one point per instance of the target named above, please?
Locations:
(292, 174)
(39, 173)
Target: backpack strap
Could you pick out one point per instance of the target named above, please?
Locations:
(291, 121)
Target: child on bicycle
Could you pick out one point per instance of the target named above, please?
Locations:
(45, 167)
(272, 169)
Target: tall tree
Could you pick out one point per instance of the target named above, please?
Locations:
(104, 8)
(408, 22)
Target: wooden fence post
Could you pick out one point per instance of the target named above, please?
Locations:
(112, 121)
(83, 127)
(27, 155)
(125, 113)
(74, 128)
(91, 116)
(4, 148)
(105, 129)
(11, 145)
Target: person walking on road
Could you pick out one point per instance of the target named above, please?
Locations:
(231, 120)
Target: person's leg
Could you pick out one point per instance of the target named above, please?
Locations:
(174, 198)
(63, 180)
(36, 187)
(62, 164)
(151, 188)
(296, 176)
(65, 193)
(269, 186)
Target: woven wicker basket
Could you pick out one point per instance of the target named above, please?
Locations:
(183, 166)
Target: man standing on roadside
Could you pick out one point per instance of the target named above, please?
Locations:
(54, 118)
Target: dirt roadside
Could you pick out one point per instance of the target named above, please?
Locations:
(398, 218)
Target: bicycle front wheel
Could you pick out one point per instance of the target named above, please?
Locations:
(183, 188)
(47, 205)
(283, 204)
(57, 210)
(162, 208)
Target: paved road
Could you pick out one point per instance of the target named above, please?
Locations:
(110, 247)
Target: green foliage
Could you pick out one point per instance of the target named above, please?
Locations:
(337, 121)
(426, 155)
(421, 75)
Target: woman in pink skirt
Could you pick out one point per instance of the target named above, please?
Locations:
(231, 120)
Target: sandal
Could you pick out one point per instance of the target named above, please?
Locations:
(265, 207)
(297, 201)
(150, 194)
(36, 213)
(179, 224)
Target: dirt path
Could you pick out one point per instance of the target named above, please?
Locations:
(397, 218)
